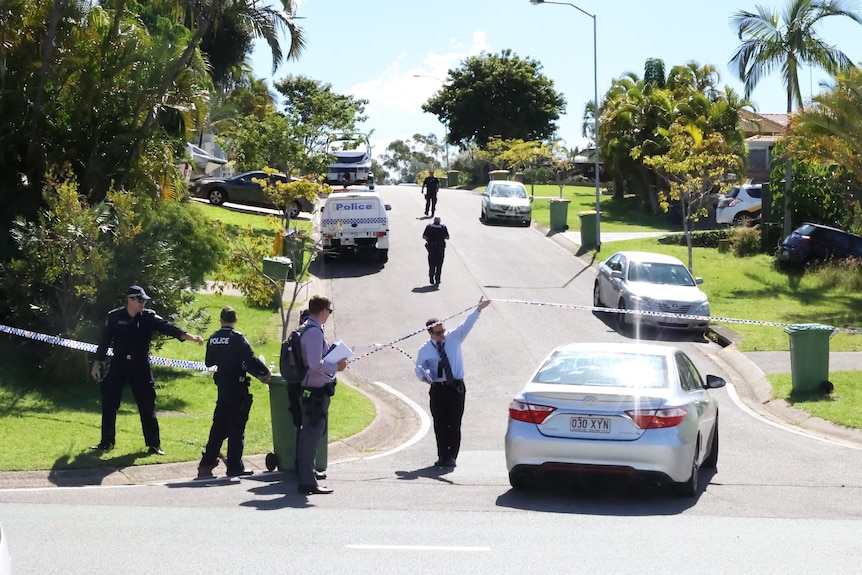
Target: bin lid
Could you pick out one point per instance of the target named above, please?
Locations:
(802, 327)
(560, 200)
(587, 213)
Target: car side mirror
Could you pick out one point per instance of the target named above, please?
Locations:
(387, 207)
(698, 281)
(616, 274)
(714, 382)
(531, 199)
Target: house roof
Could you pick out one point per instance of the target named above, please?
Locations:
(763, 124)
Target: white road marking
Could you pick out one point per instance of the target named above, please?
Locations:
(416, 548)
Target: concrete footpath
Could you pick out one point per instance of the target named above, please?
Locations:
(396, 422)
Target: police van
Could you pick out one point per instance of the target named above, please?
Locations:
(354, 221)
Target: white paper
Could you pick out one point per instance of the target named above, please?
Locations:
(338, 351)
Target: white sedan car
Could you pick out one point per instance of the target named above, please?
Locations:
(641, 411)
(655, 283)
(506, 200)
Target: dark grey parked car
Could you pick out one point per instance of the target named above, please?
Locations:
(811, 242)
(241, 189)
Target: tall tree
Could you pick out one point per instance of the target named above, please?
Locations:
(499, 95)
(787, 41)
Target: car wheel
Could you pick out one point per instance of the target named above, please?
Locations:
(383, 256)
(293, 210)
(597, 298)
(743, 219)
(689, 488)
(217, 196)
(520, 480)
(711, 461)
(623, 320)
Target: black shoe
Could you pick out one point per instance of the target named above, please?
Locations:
(240, 473)
(204, 467)
(314, 489)
(449, 463)
(439, 463)
(319, 475)
(155, 450)
(103, 446)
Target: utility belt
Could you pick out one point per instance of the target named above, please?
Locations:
(326, 390)
(457, 384)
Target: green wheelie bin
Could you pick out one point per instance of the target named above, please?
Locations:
(284, 430)
(809, 357)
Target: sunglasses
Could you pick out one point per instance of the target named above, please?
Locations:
(330, 310)
(438, 332)
(140, 299)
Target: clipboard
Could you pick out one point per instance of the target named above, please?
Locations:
(338, 351)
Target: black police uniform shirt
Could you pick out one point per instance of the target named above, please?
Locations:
(230, 351)
(130, 337)
(432, 184)
(436, 235)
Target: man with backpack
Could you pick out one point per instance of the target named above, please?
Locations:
(318, 386)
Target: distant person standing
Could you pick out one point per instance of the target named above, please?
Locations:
(440, 364)
(435, 237)
(129, 331)
(432, 184)
(229, 350)
(345, 181)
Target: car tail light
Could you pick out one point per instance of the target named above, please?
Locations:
(733, 202)
(656, 418)
(380, 234)
(529, 412)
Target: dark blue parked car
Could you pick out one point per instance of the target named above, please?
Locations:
(813, 242)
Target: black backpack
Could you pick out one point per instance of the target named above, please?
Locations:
(291, 363)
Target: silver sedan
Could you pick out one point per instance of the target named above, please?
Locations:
(642, 411)
(654, 283)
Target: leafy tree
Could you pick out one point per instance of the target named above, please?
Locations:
(406, 159)
(830, 131)
(252, 143)
(695, 166)
(497, 95)
(787, 42)
(317, 114)
(284, 194)
(381, 176)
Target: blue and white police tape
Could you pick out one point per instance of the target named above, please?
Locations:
(84, 346)
(677, 316)
(379, 346)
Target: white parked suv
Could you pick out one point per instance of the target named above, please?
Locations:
(740, 206)
(354, 221)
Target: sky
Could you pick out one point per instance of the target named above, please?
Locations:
(375, 49)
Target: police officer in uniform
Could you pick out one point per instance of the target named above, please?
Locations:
(230, 351)
(432, 183)
(435, 237)
(129, 330)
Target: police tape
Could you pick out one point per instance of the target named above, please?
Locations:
(200, 366)
(674, 316)
(381, 346)
(84, 346)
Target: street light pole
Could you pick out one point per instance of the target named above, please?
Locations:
(595, 114)
(445, 124)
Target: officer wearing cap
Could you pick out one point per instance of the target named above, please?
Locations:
(129, 330)
(230, 351)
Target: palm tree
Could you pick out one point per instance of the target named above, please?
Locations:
(788, 42)
(768, 42)
(264, 21)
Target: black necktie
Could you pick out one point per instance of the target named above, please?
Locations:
(443, 366)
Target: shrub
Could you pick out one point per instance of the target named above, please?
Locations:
(745, 241)
(699, 239)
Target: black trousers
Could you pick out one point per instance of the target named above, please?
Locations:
(315, 424)
(140, 379)
(435, 262)
(229, 419)
(447, 409)
(431, 202)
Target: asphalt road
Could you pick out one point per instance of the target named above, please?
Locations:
(780, 502)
